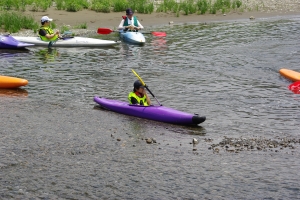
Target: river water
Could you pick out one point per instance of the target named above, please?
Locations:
(57, 144)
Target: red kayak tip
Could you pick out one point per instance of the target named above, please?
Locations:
(295, 87)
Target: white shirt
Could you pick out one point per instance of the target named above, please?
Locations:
(129, 22)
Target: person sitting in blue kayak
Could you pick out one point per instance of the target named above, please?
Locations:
(130, 22)
(45, 32)
(139, 95)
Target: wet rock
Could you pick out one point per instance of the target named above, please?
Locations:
(255, 143)
(251, 18)
(216, 150)
(208, 140)
(195, 141)
(230, 149)
(149, 140)
(259, 148)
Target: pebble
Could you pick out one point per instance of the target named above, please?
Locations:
(195, 141)
(153, 140)
(149, 140)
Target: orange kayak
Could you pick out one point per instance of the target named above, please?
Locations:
(12, 82)
(290, 74)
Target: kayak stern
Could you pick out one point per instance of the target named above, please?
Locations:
(9, 42)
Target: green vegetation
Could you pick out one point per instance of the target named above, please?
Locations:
(198, 6)
(140, 6)
(81, 26)
(101, 6)
(22, 5)
(12, 22)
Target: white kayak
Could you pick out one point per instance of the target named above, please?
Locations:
(132, 37)
(68, 42)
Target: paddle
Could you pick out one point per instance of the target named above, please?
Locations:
(143, 83)
(108, 31)
(295, 87)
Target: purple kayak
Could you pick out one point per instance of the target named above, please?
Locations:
(153, 112)
(9, 42)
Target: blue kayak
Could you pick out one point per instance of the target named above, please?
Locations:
(132, 37)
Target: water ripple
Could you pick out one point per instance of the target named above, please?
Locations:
(227, 71)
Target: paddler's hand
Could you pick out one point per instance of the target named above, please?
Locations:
(131, 27)
(144, 91)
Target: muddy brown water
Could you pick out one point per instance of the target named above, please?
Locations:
(57, 144)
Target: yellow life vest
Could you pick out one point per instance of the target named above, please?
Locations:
(50, 32)
(141, 100)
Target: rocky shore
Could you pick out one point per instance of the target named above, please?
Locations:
(236, 145)
(239, 145)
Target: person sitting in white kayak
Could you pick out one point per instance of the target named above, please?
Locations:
(45, 32)
(130, 22)
(139, 95)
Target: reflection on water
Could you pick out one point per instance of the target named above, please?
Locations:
(48, 54)
(11, 52)
(129, 50)
(159, 44)
(19, 92)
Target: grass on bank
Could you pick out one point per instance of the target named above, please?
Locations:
(140, 6)
(13, 22)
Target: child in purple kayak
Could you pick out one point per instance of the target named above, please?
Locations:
(139, 95)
